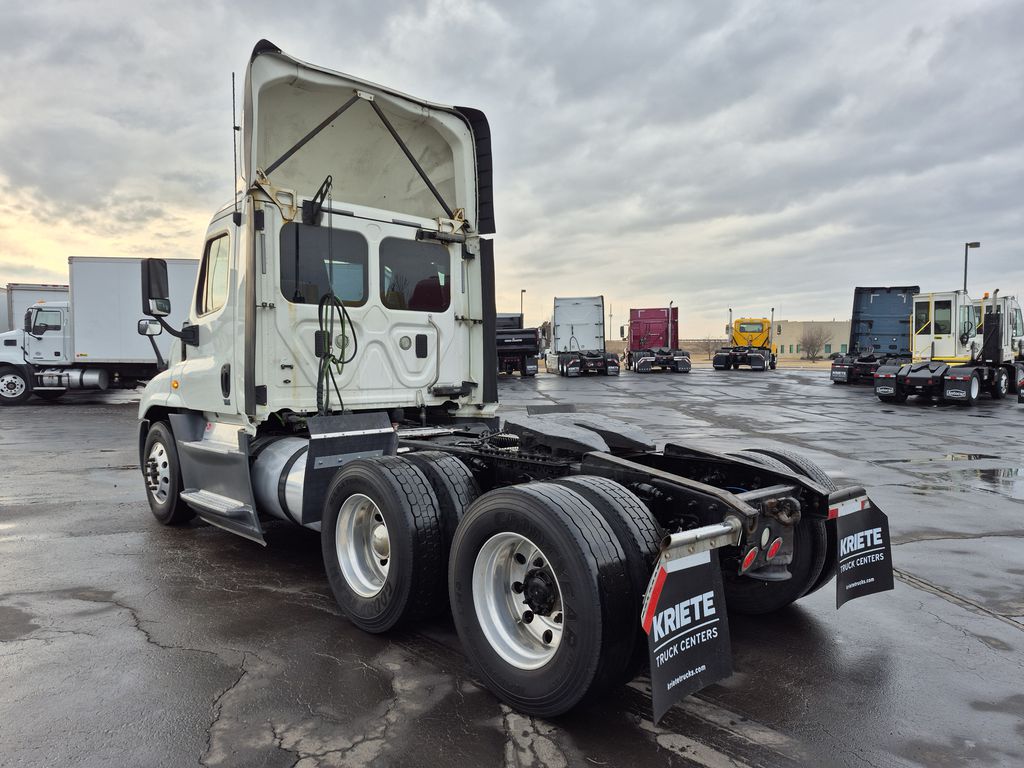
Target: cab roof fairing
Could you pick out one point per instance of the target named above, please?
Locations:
(285, 98)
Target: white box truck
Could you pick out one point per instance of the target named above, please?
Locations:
(578, 339)
(88, 339)
(20, 296)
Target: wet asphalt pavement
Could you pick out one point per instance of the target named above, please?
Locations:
(125, 643)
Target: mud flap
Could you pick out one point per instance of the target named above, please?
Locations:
(864, 556)
(687, 628)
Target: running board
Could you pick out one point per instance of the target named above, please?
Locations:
(229, 514)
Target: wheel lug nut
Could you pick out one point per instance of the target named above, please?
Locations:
(517, 587)
(528, 617)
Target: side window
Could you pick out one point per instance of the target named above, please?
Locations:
(415, 275)
(943, 317)
(922, 318)
(315, 258)
(212, 288)
(47, 320)
(1018, 323)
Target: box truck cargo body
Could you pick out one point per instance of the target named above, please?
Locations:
(90, 339)
(21, 296)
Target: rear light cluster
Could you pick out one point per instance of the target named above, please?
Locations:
(885, 375)
(956, 378)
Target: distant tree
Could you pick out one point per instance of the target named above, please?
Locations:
(813, 339)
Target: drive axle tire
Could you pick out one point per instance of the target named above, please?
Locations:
(973, 391)
(382, 542)
(162, 473)
(804, 466)
(15, 388)
(1000, 384)
(640, 537)
(541, 598)
(453, 485)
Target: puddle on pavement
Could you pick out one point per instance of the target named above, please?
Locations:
(945, 457)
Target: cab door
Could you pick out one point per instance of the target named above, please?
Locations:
(944, 335)
(205, 376)
(46, 338)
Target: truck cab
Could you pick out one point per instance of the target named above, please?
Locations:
(945, 326)
(750, 340)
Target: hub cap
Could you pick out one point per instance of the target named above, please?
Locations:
(11, 385)
(363, 545)
(158, 474)
(518, 600)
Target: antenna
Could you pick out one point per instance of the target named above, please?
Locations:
(235, 128)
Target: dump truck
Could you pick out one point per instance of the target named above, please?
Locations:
(345, 382)
(751, 344)
(960, 348)
(518, 347)
(578, 344)
(879, 333)
(653, 341)
(90, 340)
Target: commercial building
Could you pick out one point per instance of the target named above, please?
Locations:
(794, 336)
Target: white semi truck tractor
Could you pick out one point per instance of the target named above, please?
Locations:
(337, 371)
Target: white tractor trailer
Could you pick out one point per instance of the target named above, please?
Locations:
(343, 378)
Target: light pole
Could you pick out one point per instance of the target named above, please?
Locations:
(522, 291)
(967, 246)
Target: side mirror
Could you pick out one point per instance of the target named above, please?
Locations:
(156, 301)
(150, 328)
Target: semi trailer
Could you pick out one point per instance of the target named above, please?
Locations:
(518, 347)
(879, 333)
(578, 339)
(751, 344)
(18, 297)
(317, 389)
(653, 341)
(90, 340)
(961, 348)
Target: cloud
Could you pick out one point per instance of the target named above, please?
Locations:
(742, 154)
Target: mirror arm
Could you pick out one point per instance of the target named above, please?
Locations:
(188, 335)
(160, 364)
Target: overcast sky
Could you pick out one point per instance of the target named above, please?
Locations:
(717, 154)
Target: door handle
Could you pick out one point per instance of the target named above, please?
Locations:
(225, 380)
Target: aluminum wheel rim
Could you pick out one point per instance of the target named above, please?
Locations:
(363, 545)
(975, 387)
(1003, 384)
(523, 638)
(159, 474)
(11, 385)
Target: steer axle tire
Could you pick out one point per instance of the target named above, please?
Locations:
(382, 542)
(15, 387)
(162, 472)
(540, 597)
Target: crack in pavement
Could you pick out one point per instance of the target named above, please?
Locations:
(926, 586)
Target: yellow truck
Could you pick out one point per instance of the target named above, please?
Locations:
(751, 344)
